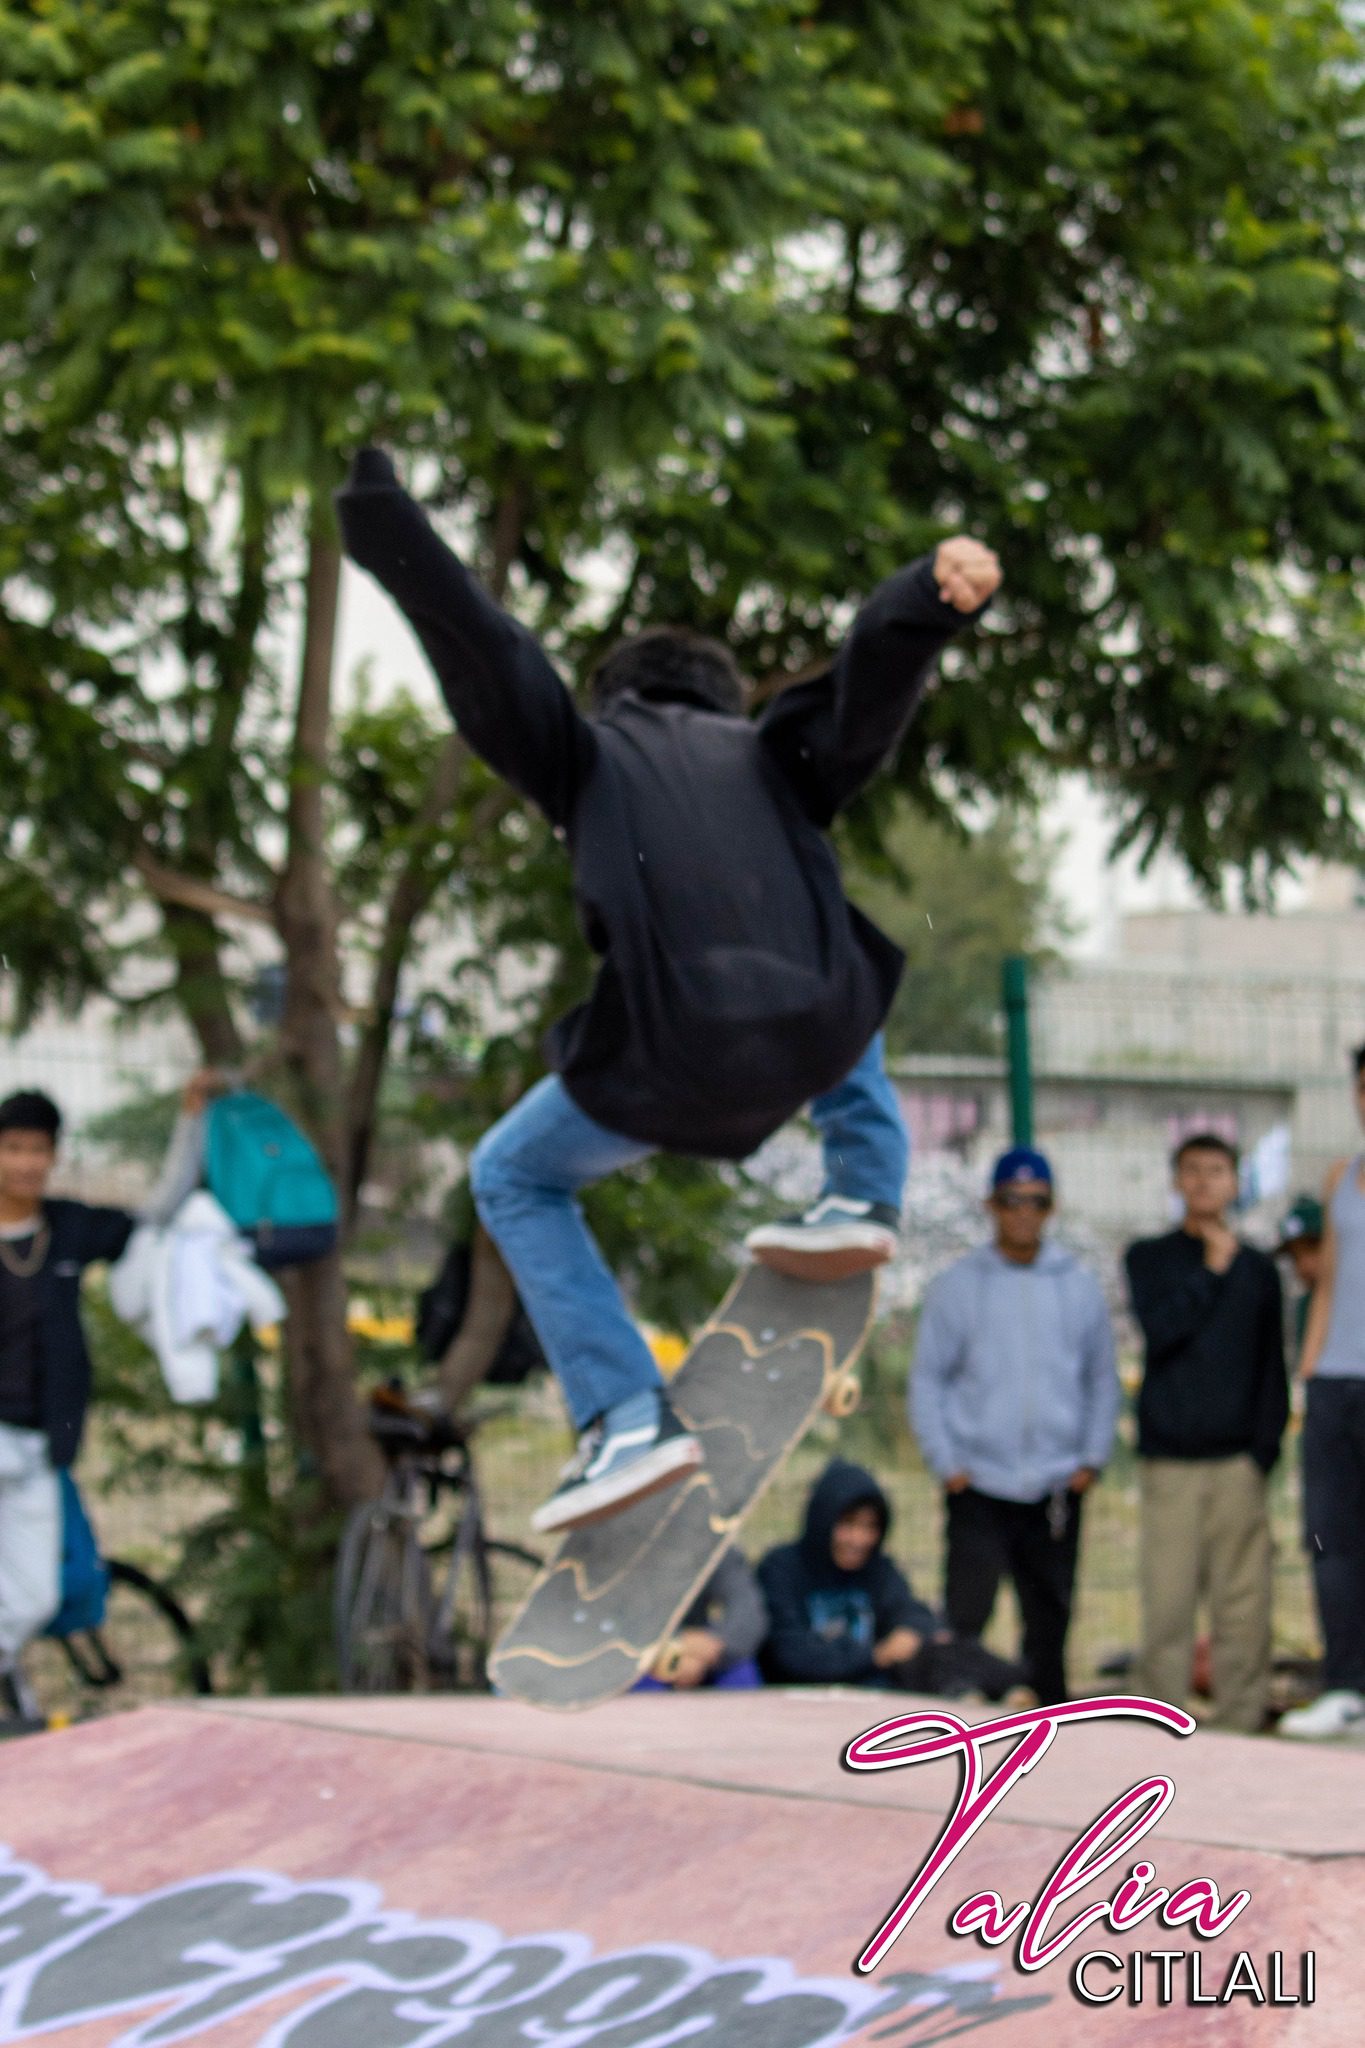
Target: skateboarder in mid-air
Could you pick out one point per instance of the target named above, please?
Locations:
(737, 984)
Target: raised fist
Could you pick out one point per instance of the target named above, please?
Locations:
(966, 572)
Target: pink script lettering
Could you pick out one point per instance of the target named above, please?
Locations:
(1117, 1830)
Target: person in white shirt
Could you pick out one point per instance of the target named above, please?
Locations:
(46, 1243)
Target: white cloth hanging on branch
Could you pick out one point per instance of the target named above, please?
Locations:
(187, 1286)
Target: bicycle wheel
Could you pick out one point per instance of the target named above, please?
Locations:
(145, 1648)
(381, 1603)
(491, 1579)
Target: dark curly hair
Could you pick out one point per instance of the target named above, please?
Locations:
(671, 662)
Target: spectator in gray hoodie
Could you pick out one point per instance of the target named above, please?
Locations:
(1013, 1398)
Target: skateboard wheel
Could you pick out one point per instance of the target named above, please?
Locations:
(843, 1396)
(668, 1663)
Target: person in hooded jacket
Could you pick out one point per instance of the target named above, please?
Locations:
(736, 982)
(841, 1612)
(1014, 1399)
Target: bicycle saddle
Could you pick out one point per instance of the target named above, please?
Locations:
(398, 1417)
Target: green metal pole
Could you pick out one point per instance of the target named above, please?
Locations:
(1015, 981)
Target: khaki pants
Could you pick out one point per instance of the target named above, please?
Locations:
(1206, 1533)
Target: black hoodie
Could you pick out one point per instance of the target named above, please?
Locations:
(737, 981)
(826, 1622)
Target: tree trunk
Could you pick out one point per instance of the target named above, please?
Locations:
(200, 984)
(328, 1420)
(412, 893)
(326, 1413)
(305, 907)
(489, 1308)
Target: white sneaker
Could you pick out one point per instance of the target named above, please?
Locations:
(832, 1240)
(635, 1450)
(1331, 1714)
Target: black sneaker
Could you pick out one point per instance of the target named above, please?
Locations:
(634, 1450)
(835, 1238)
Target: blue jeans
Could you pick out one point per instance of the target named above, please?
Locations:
(525, 1175)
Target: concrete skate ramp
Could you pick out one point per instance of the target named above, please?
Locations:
(402, 1874)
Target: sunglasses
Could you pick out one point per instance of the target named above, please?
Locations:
(1010, 1198)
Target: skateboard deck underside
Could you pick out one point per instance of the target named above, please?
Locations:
(750, 1387)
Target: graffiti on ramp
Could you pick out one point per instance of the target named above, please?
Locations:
(172, 1965)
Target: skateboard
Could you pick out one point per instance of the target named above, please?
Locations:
(775, 1354)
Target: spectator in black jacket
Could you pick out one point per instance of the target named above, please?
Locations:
(1211, 1412)
(736, 984)
(840, 1612)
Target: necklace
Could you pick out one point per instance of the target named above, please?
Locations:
(24, 1268)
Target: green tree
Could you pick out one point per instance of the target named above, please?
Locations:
(761, 297)
(956, 903)
(235, 242)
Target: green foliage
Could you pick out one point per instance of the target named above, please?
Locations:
(956, 903)
(766, 298)
(758, 297)
(242, 1538)
(260, 1577)
(139, 1127)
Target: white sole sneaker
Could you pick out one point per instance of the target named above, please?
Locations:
(1333, 1717)
(828, 1251)
(595, 1499)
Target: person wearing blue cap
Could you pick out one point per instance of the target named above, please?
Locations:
(1014, 1399)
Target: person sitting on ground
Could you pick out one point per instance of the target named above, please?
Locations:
(46, 1243)
(842, 1613)
(718, 1640)
(736, 984)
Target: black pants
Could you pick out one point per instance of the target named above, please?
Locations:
(961, 1665)
(989, 1539)
(1334, 1523)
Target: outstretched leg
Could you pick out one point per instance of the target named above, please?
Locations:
(854, 1223)
(525, 1176)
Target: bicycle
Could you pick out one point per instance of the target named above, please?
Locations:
(416, 1610)
(144, 1649)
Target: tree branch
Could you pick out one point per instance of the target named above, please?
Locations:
(509, 519)
(191, 894)
(201, 987)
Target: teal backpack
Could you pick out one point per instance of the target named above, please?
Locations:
(270, 1180)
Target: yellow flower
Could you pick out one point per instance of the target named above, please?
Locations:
(669, 1350)
(363, 1322)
